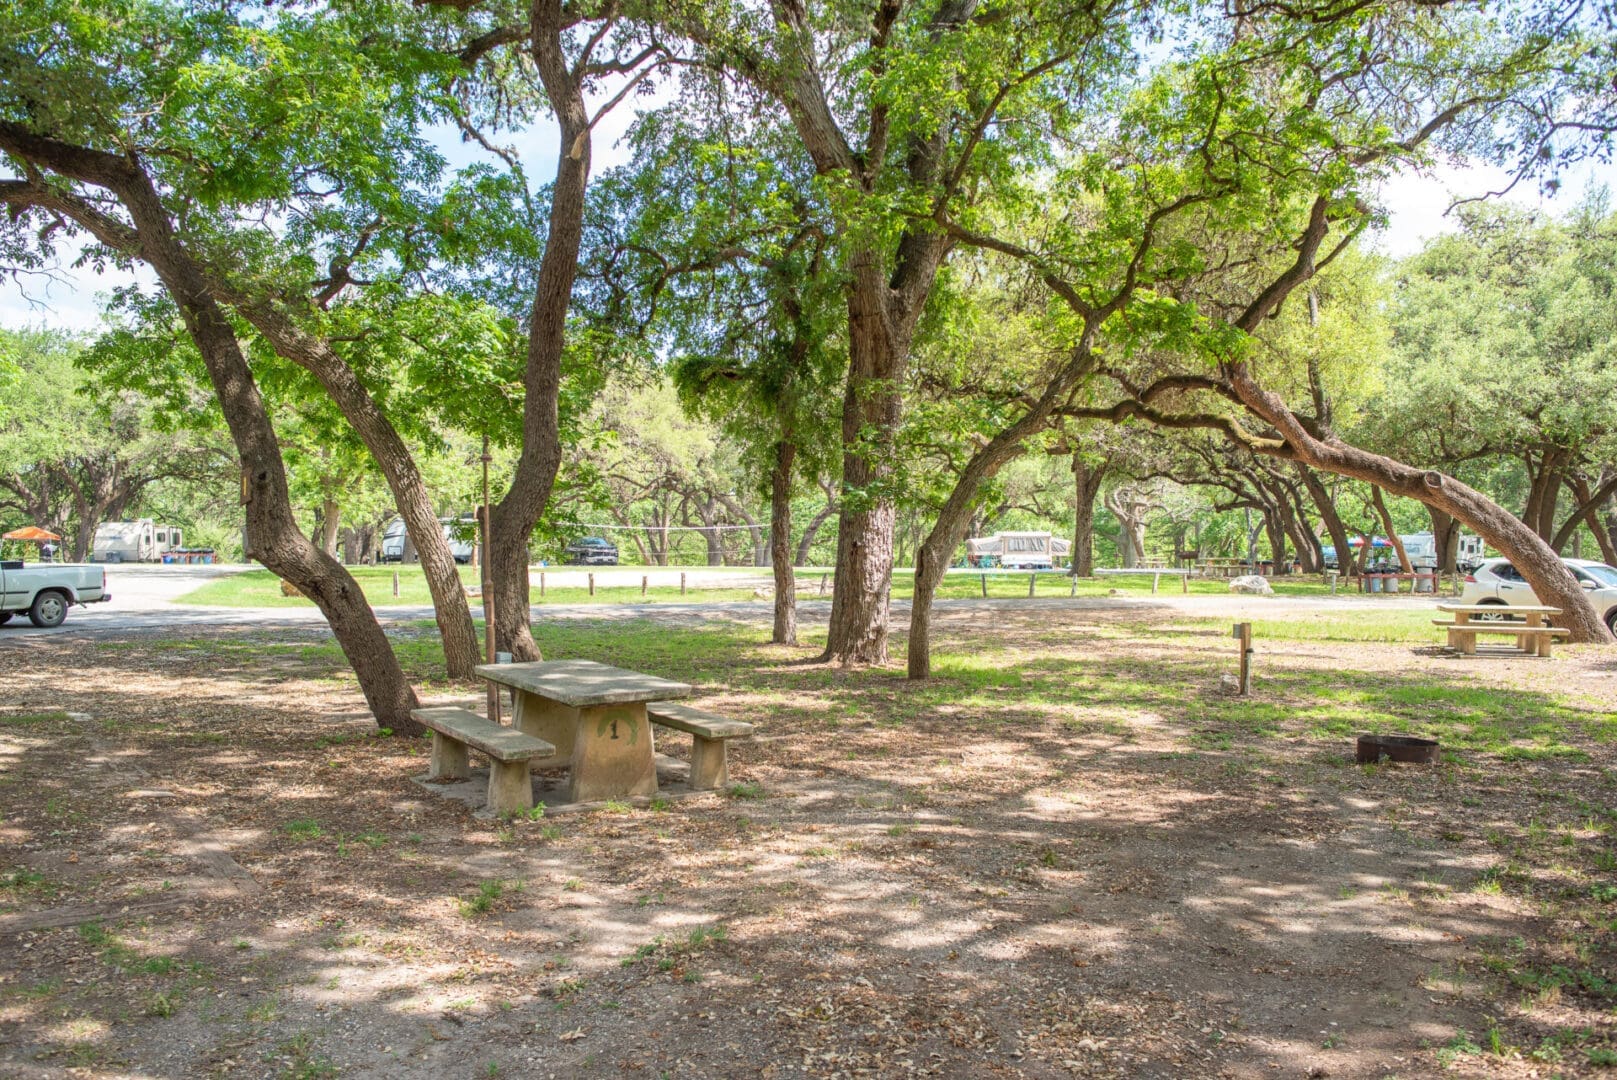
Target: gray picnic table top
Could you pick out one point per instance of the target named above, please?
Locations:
(582, 683)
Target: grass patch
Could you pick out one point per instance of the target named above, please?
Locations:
(261, 588)
(487, 898)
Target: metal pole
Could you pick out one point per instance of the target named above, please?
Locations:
(488, 593)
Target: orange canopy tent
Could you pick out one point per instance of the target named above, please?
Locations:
(32, 534)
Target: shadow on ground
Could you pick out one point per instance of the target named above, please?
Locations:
(1073, 853)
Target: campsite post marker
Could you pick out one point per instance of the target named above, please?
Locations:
(1243, 633)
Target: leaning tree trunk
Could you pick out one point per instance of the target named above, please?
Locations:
(1087, 481)
(1587, 512)
(272, 534)
(947, 534)
(1327, 513)
(273, 537)
(805, 546)
(954, 518)
(1392, 532)
(1275, 529)
(424, 535)
(780, 544)
(1549, 577)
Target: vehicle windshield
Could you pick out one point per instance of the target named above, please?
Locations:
(1604, 575)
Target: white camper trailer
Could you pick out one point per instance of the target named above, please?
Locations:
(1018, 550)
(1422, 551)
(134, 541)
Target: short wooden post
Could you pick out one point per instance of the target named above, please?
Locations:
(822, 584)
(1031, 578)
(682, 583)
(1155, 580)
(1074, 590)
(1243, 633)
(395, 583)
(592, 584)
(1184, 583)
(541, 583)
(642, 585)
(985, 586)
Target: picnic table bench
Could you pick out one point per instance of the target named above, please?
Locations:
(709, 734)
(1156, 573)
(509, 751)
(1533, 636)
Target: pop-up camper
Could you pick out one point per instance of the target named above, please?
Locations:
(1018, 550)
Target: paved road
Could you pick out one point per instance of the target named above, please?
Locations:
(143, 600)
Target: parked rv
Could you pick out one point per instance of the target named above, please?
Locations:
(1421, 549)
(134, 541)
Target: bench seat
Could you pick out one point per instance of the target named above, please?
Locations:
(1529, 639)
(454, 730)
(708, 731)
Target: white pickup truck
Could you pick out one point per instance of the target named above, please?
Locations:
(45, 591)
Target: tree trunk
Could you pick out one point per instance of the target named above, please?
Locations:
(424, 534)
(1588, 512)
(780, 544)
(516, 514)
(330, 523)
(1543, 492)
(1392, 532)
(271, 531)
(83, 536)
(954, 518)
(805, 546)
(1327, 513)
(1087, 480)
(1445, 541)
(1275, 529)
(871, 408)
(1130, 528)
(273, 537)
(1550, 579)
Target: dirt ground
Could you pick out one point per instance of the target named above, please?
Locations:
(212, 865)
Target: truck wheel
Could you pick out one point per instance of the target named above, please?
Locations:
(49, 609)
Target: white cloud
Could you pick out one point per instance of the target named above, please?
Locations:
(1418, 203)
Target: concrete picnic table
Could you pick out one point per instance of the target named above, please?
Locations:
(595, 715)
(1535, 629)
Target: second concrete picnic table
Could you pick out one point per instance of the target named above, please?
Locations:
(595, 715)
(1533, 635)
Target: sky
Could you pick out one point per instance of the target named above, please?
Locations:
(69, 298)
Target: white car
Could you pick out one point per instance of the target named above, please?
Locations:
(1498, 582)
